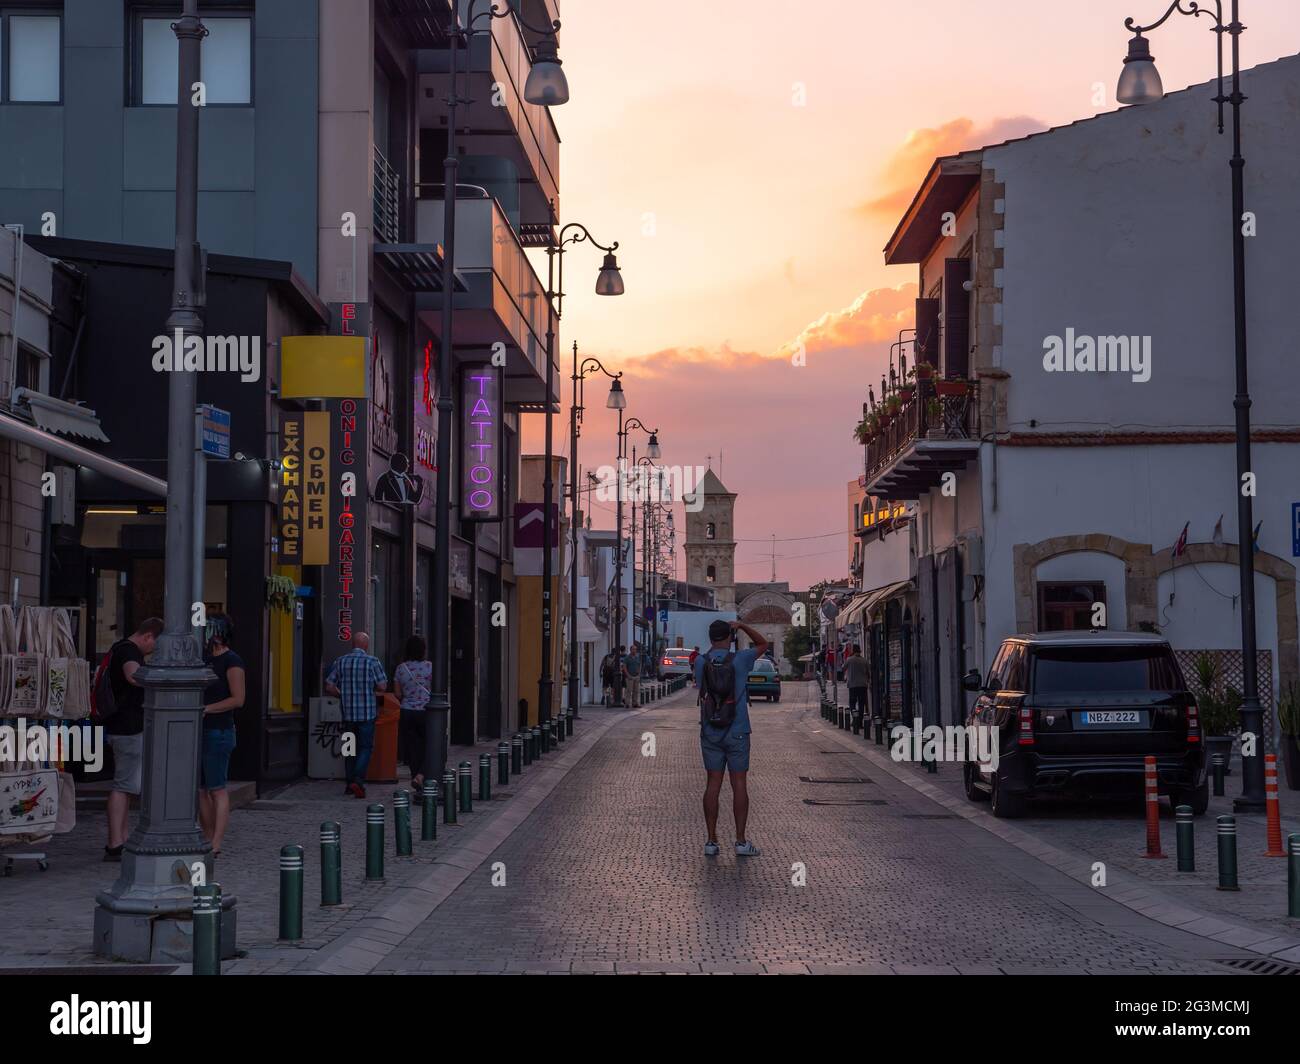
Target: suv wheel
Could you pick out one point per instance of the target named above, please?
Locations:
(973, 792)
(1006, 805)
(1198, 798)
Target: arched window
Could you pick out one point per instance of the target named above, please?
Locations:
(711, 574)
(710, 531)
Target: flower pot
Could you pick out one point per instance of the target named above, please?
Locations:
(884, 421)
(924, 370)
(1218, 744)
(1291, 760)
(951, 387)
(906, 392)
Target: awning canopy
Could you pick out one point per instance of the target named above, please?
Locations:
(56, 415)
(853, 611)
(587, 630)
(861, 607)
(78, 455)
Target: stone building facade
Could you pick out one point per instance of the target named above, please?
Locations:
(711, 539)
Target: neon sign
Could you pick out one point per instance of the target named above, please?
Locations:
(480, 446)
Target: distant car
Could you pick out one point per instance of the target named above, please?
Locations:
(675, 662)
(1078, 712)
(765, 680)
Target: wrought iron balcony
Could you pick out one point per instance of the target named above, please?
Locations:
(934, 429)
(389, 192)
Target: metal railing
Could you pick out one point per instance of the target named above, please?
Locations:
(388, 201)
(955, 418)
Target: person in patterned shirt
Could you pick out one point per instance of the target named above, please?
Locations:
(355, 679)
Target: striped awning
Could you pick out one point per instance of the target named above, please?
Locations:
(861, 607)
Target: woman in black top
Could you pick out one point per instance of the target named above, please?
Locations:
(223, 696)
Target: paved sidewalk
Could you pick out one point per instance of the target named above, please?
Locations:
(1074, 835)
(46, 917)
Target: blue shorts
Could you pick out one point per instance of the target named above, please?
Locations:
(723, 750)
(217, 746)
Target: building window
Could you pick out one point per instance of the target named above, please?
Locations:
(227, 57)
(33, 370)
(31, 46)
(1066, 607)
(710, 531)
(711, 574)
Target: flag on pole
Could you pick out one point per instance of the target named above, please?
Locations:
(1254, 536)
(1218, 531)
(1180, 548)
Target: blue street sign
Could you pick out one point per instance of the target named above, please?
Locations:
(1295, 530)
(663, 616)
(216, 432)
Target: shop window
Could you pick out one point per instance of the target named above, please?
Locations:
(1068, 607)
(31, 49)
(227, 57)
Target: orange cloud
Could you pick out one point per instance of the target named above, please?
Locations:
(874, 317)
(909, 164)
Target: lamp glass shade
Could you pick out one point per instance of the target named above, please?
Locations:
(609, 282)
(617, 398)
(1139, 82)
(546, 85)
(652, 450)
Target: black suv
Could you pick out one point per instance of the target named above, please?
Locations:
(1078, 712)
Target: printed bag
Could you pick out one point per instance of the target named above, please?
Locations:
(29, 802)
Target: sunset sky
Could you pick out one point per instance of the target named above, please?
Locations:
(752, 159)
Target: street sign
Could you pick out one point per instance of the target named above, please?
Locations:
(663, 616)
(216, 432)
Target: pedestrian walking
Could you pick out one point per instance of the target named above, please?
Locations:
(608, 666)
(695, 653)
(722, 675)
(619, 675)
(125, 727)
(223, 696)
(412, 681)
(632, 664)
(355, 679)
(855, 676)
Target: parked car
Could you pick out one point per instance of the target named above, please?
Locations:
(1078, 712)
(675, 662)
(765, 680)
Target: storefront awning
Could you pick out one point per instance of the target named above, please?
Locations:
(861, 607)
(77, 455)
(56, 415)
(587, 630)
(853, 611)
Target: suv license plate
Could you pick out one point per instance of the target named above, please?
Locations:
(1132, 718)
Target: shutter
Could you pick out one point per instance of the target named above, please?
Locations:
(927, 330)
(956, 318)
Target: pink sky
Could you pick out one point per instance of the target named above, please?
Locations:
(752, 159)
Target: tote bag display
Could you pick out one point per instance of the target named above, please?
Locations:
(29, 801)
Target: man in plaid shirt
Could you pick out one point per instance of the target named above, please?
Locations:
(354, 679)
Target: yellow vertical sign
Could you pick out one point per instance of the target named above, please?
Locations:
(316, 488)
(291, 489)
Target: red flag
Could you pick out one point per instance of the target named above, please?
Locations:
(1180, 548)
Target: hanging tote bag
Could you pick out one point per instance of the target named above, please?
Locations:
(27, 696)
(8, 648)
(68, 676)
(29, 800)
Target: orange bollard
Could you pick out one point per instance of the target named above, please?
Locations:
(1273, 807)
(1153, 808)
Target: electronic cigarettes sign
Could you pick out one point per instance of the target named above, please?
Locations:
(480, 443)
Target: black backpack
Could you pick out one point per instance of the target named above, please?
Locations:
(103, 703)
(718, 692)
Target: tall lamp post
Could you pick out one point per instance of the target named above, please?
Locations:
(156, 860)
(545, 86)
(1138, 84)
(609, 282)
(653, 451)
(617, 401)
(649, 464)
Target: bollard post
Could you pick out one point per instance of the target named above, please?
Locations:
(558, 728)
(207, 930)
(375, 841)
(290, 893)
(429, 815)
(880, 730)
(465, 785)
(484, 778)
(402, 822)
(1152, 786)
(517, 754)
(1228, 852)
(568, 722)
(527, 737)
(1272, 807)
(449, 797)
(536, 738)
(1184, 838)
(503, 764)
(858, 719)
(1293, 877)
(1218, 763)
(331, 863)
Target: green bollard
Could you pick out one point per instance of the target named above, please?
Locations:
(1228, 852)
(465, 786)
(290, 893)
(429, 817)
(568, 722)
(1293, 876)
(1184, 836)
(484, 778)
(402, 822)
(207, 930)
(1217, 764)
(535, 738)
(449, 798)
(517, 754)
(375, 841)
(331, 863)
(503, 764)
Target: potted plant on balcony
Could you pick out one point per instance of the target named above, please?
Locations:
(908, 387)
(955, 386)
(1217, 712)
(924, 370)
(934, 419)
(865, 430)
(892, 405)
(1288, 720)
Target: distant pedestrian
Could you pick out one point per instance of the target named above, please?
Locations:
(632, 665)
(695, 653)
(608, 668)
(619, 675)
(125, 728)
(412, 682)
(355, 679)
(856, 677)
(723, 679)
(223, 696)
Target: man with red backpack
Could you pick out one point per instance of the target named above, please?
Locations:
(722, 676)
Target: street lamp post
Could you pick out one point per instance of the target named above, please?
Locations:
(545, 86)
(616, 401)
(653, 451)
(648, 462)
(1138, 84)
(609, 282)
(158, 858)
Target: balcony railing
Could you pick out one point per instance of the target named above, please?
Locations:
(957, 419)
(388, 201)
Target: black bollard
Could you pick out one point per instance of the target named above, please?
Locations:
(402, 822)
(1218, 763)
(331, 863)
(449, 798)
(1184, 837)
(568, 721)
(375, 841)
(484, 778)
(517, 754)
(429, 815)
(207, 930)
(1228, 852)
(465, 784)
(503, 764)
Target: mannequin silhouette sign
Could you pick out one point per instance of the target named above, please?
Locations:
(399, 486)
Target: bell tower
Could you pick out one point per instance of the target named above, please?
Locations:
(710, 539)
